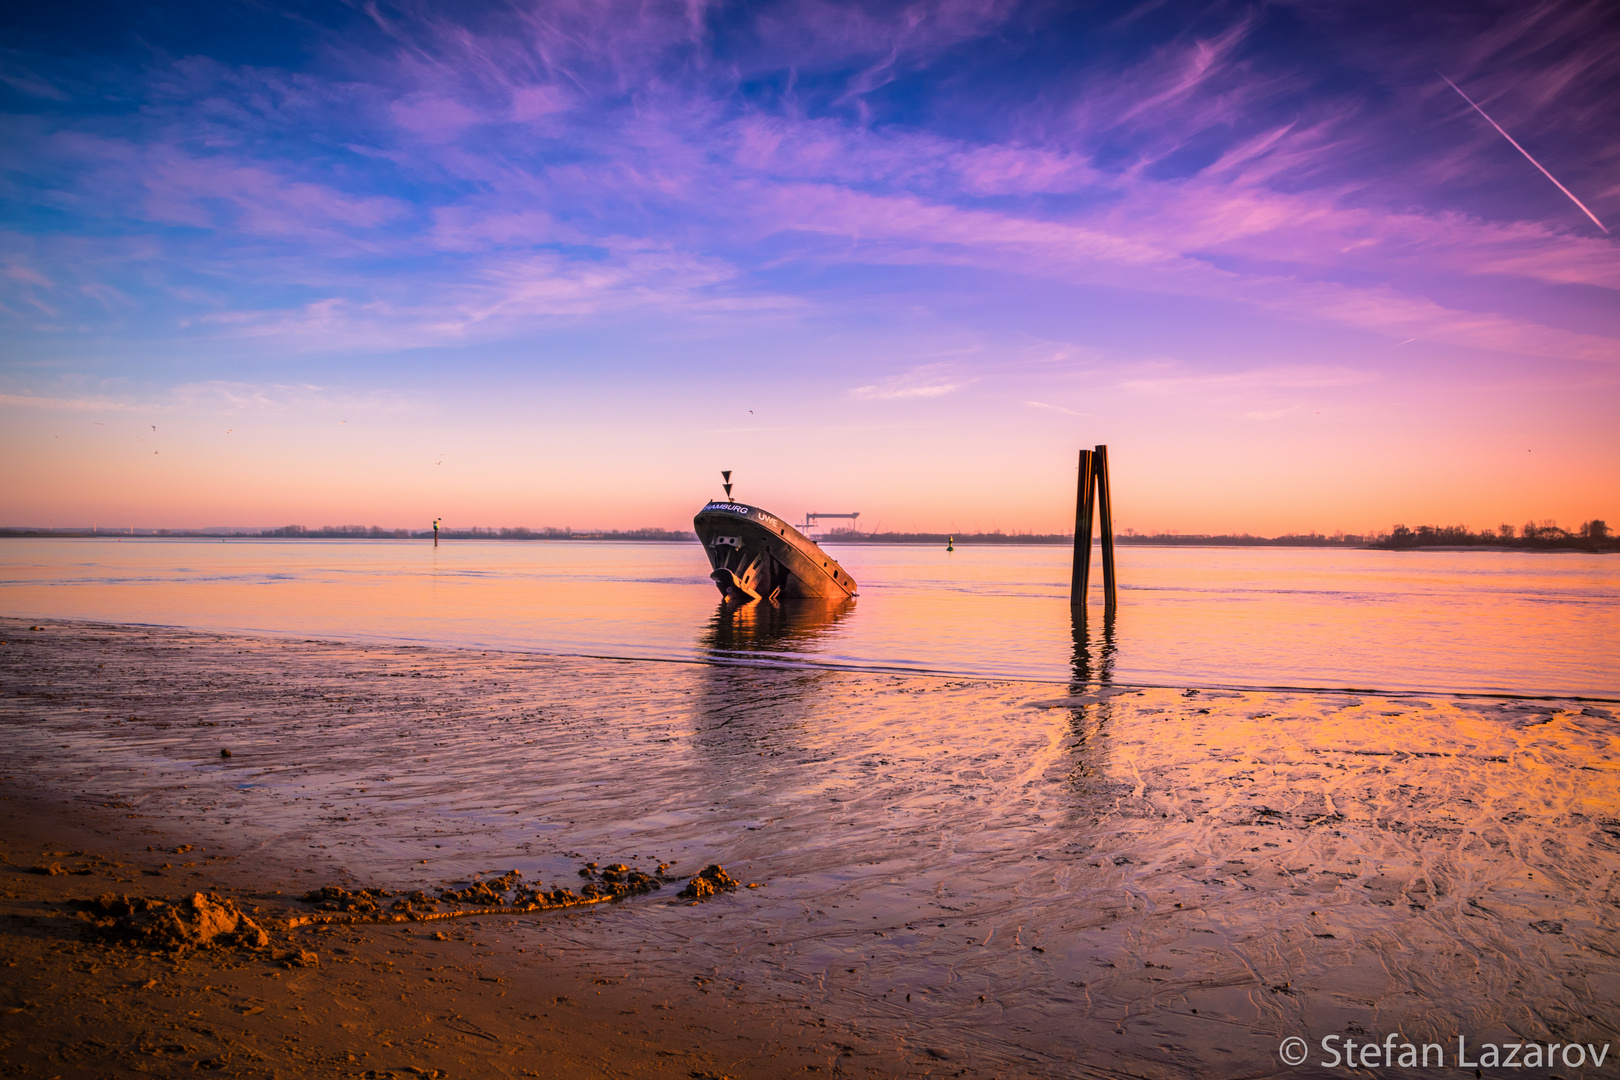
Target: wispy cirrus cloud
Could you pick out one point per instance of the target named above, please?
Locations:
(940, 209)
(1271, 414)
(64, 404)
(924, 381)
(455, 179)
(226, 396)
(1300, 377)
(1052, 408)
(213, 396)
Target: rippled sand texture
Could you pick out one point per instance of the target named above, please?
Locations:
(1008, 876)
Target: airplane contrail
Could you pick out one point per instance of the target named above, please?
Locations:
(1526, 153)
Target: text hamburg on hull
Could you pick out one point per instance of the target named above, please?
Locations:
(756, 554)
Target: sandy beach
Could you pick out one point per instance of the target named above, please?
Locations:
(955, 876)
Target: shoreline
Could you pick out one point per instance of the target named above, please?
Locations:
(958, 875)
(743, 660)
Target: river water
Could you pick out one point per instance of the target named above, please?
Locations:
(1280, 794)
(1464, 622)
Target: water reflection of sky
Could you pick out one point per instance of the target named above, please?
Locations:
(1470, 621)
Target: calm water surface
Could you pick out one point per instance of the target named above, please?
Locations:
(1494, 622)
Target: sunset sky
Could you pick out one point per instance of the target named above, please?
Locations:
(560, 263)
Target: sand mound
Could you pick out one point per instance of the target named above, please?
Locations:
(712, 880)
(199, 921)
(616, 880)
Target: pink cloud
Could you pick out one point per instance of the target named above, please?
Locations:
(29, 83)
(532, 103)
(77, 404)
(1176, 75)
(175, 187)
(1021, 170)
(1287, 377)
(814, 32)
(27, 275)
(703, 186)
(434, 118)
(926, 381)
(1140, 250)
(502, 296)
(479, 228)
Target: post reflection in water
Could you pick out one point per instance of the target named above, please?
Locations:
(1094, 651)
(1092, 658)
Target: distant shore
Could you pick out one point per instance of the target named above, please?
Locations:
(674, 537)
(1564, 543)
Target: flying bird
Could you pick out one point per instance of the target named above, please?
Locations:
(154, 427)
(1526, 154)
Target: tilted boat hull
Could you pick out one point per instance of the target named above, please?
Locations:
(755, 554)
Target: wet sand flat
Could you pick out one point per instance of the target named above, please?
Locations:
(439, 1000)
(957, 876)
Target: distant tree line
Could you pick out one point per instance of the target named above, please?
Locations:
(478, 533)
(369, 532)
(373, 532)
(1310, 539)
(1129, 536)
(1546, 535)
(851, 536)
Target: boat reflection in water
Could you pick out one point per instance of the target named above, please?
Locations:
(763, 692)
(766, 631)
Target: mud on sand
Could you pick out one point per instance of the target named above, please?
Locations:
(959, 877)
(434, 999)
(448, 992)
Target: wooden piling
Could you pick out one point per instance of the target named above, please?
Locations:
(1083, 507)
(1105, 524)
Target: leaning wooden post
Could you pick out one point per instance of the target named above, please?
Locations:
(1081, 575)
(1105, 524)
